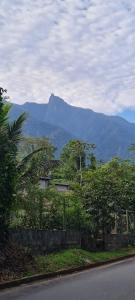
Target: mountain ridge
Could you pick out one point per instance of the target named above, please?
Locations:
(60, 122)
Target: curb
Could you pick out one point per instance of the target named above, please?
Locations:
(47, 276)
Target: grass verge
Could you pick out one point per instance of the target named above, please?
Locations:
(75, 258)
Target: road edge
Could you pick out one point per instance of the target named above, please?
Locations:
(47, 276)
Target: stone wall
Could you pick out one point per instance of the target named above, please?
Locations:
(42, 241)
(118, 241)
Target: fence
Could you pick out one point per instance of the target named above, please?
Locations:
(43, 241)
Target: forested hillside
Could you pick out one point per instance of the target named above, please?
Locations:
(61, 122)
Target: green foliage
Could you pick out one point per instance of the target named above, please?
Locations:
(10, 135)
(75, 258)
(36, 160)
(74, 157)
(12, 171)
(30, 210)
(38, 209)
(108, 190)
(48, 209)
(98, 192)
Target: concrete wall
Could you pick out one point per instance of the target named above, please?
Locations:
(112, 242)
(42, 241)
(118, 241)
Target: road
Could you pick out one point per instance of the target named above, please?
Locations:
(112, 282)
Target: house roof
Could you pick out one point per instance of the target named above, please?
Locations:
(62, 184)
(47, 178)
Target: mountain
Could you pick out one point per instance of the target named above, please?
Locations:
(61, 122)
(128, 114)
(35, 127)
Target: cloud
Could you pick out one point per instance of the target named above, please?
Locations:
(81, 50)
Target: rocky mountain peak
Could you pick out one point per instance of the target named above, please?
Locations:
(55, 100)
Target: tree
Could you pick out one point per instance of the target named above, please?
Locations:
(30, 211)
(10, 135)
(93, 161)
(11, 170)
(39, 164)
(74, 157)
(108, 191)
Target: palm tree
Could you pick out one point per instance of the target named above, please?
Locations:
(10, 135)
(10, 169)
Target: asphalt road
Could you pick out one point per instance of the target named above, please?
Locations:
(113, 282)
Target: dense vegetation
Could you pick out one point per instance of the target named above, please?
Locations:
(9, 138)
(99, 199)
(101, 196)
(12, 169)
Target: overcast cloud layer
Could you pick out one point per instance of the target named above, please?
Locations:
(81, 50)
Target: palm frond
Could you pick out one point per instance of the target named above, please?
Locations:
(4, 113)
(27, 158)
(15, 129)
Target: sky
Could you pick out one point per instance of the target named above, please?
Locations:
(80, 50)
